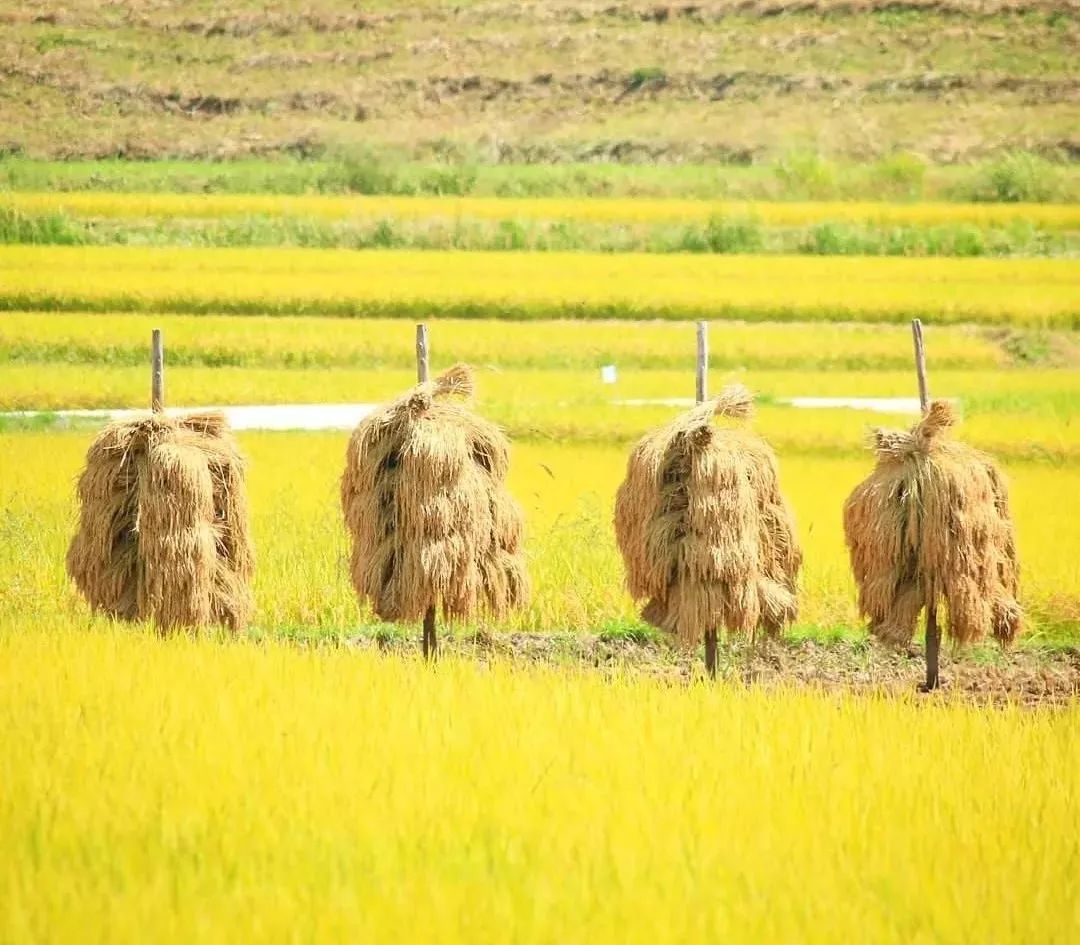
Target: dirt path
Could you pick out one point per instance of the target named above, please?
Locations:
(1026, 676)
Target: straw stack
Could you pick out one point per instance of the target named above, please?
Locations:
(932, 523)
(707, 538)
(426, 506)
(163, 529)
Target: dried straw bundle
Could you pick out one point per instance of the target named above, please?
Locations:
(426, 505)
(706, 535)
(163, 523)
(932, 521)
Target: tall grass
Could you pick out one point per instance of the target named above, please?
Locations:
(793, 176)
(721, 235)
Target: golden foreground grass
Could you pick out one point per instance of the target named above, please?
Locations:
(567, 490)
(1032, 292)
(229, 792)
(585, 209)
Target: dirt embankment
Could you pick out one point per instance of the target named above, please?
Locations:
(1026, 676)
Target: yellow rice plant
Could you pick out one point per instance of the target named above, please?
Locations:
(581, 209)
(542, 285)
(224, 792)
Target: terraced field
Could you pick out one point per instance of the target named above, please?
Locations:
(1030, 292)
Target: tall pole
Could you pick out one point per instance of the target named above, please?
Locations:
(421, 353)
(157, 371)
(701, 392)
(702, 386)
(933, 631)
(920, 364)
(429, 640)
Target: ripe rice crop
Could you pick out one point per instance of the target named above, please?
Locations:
(594, 209)
(1018, 412)
(1036, 292)
(227, 792)
(285, 341)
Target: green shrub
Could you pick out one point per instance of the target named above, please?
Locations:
(806, 175)
(51, 228)
(1019, 177)
(900, 175)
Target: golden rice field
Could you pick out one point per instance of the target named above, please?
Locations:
(228, 792)
(296, 784)
(1027, 292)
(567, 491)
(591, 210)
(1031, 415)
(304, 341)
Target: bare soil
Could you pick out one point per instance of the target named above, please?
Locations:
(1026, 676)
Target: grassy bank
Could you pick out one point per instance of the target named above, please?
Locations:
(476, 225)
(799, 175)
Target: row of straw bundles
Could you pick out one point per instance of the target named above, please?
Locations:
(707, 538)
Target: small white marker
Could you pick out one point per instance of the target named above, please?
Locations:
(608, 374)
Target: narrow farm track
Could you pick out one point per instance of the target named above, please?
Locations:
(1026, 676)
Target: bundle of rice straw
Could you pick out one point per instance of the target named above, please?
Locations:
(163, 524)
(426, 506)
(932, 522)
(707, 538)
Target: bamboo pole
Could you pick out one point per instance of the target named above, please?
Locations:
(702, 375)
(429, 641)
(920, 364)
(701, 391)
(421, 353)
(933, 630)
(157, 371)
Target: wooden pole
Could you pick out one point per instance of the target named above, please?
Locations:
(701, 391)
(702, 386)
(933, 631)
(430, 643)
(710, 652)
(933, 650)
(157, 371)
(920, 364)
(421, 353)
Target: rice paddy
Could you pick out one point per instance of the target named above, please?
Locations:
(568, 490)
(1027, 292)
(624, 210)
(306, 778)
(226, 791)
